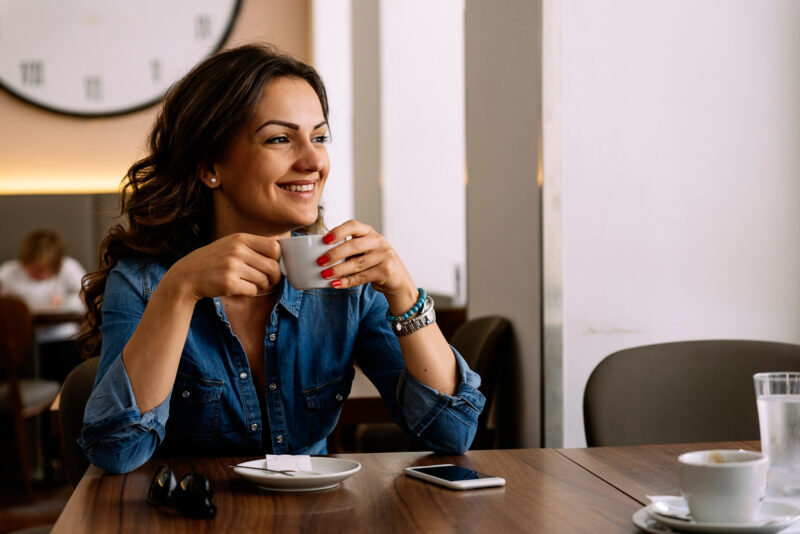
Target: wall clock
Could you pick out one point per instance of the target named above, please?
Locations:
(105, 57)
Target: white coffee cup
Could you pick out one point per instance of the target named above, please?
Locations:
(299, 261)
(725, 486)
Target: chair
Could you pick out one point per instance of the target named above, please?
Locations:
(74, 395)
(485, 344)
(20, 398)
(680, 392)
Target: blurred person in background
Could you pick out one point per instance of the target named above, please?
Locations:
(48, 281)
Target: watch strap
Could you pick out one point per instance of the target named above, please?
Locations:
(425, 317)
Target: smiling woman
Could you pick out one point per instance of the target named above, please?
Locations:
(206, 349)
(272, 175)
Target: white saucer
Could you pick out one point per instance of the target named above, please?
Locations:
(643, 520)
(331, 472)
(774, 516)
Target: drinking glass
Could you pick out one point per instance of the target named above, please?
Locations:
(778, 400)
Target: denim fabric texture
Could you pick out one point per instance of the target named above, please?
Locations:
(312, 339)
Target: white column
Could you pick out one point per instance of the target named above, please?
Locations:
(503, 81)
(422, 138)
(332, 56)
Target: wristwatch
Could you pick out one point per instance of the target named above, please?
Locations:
(425, 317)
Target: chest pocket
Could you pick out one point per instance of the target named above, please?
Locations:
(324, 403)
(194, 410)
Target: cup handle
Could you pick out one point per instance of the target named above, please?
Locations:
(281, 266)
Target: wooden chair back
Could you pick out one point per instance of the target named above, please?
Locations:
(16, 335)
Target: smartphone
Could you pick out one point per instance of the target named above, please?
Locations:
(454, 476)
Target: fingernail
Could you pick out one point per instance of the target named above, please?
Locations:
(336, 283)
(327, 273)
(328, 239)
(322, 260)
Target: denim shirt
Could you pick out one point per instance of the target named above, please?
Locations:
(311, 341)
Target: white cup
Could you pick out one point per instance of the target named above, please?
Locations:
(299, 261)
(725, 486)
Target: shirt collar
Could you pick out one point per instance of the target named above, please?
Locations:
(290, 298)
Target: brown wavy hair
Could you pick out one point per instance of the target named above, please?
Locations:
(168, 210)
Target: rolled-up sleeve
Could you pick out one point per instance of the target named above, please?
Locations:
(116, 436)
(443, 423)
(446, 423)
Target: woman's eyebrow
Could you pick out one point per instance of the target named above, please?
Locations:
(291, 125)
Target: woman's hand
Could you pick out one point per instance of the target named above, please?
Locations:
(237, 264)
(368, 258)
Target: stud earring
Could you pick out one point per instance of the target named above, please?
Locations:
(213, 180)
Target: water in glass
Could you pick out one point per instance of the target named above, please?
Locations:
(779, 422)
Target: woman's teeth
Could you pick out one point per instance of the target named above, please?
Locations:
(298, 188)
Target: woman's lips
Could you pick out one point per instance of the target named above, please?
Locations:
(298, 188)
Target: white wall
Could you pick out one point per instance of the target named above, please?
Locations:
(681, 177)
(332, 51)
(422, 138)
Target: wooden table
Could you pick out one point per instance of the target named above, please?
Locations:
(643, 470)
(46, 318)
(547, 490)
(56, 317)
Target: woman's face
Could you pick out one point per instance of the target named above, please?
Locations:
(271, 178)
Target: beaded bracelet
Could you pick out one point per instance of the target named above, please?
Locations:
(410, 313)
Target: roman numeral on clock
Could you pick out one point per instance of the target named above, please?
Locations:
(202, 27)
(32, 72)
(93, 87)
(155, 70)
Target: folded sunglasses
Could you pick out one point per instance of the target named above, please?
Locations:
(191, 495)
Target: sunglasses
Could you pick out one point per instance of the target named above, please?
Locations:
(191, 496)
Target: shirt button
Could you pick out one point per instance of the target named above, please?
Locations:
(339, 397)
(185, 394)
(273, 336)
(254, 427)
(242, 375)
(279, 439)
(273, 386)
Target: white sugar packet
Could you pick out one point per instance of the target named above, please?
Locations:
(289, 462)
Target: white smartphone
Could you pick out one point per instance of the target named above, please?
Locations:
(454, 476)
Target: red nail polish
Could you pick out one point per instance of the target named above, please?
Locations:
(322, 260)
(328, 239)
(336, 283)
(327, 273)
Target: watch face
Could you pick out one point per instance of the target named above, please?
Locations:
(105, 57)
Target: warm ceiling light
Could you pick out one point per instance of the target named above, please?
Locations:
(46, 185)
